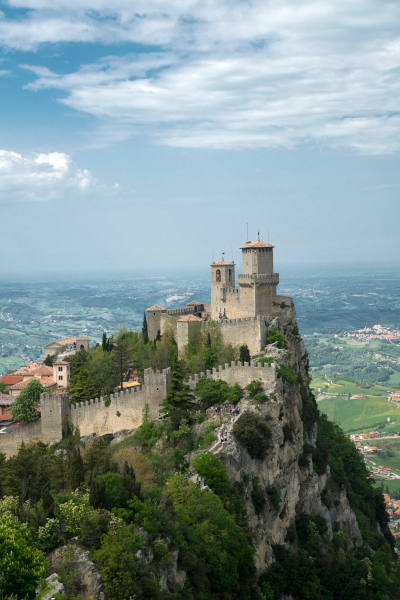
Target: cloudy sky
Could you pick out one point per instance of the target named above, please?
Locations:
(137, 133)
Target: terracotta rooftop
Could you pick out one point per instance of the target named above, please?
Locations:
(193, 303)
(42, 370)
(6, 400)
(256, 244)
(222, 262)
(82, 338)
(156, 307)
(22, 384)
(11, 379)
(189, 319)
(60, 362)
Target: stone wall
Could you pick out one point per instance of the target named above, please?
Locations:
(92, 416)
(249, 330)
(12, 440)
(238, 373)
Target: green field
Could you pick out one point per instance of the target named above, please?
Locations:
(360, 415)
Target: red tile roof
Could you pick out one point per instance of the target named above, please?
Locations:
(11, 379)
(155, 307)
(61, 362)
(194, 303)
(46, 382)
(257, 244)
(222, 263)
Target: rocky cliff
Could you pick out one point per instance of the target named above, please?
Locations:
(286, 475)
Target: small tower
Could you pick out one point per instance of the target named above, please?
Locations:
(222, 277)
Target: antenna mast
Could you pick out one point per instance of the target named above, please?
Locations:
(247, 231)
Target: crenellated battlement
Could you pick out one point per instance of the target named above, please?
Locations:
(237, 372)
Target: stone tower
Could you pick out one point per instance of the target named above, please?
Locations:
(222, 277)
(258, 282)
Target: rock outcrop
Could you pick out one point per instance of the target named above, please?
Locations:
(286, 469)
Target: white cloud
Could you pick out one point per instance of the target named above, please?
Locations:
(40, 177)
(229, 74)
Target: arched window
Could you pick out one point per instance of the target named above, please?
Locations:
(229, 274)
(218, 275)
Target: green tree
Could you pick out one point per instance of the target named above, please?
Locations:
(48, 361)
(97, 495)
(211, 391)
(145, 331)
(3, 388)
(23, 566)
(25, 406)
(76, 474)
(129, 486)
(208, 343)
(179, 394)
(244, 354)
(275, 336)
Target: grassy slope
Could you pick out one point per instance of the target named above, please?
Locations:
(363, 413)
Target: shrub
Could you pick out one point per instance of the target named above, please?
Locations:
(261, 398)
(274, 497)
(254, 388)
(210, 467)
(258, 497)
(296, 329)
(288, 375)
(282, 305)
(275, 336)
(253, 433)
(235, 394)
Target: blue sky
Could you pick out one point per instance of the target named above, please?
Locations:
(136, 134)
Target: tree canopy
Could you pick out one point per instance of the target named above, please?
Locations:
(25, 407)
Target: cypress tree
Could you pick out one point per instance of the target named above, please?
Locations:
(76, 471)
(97, 495)
(129, 486)
(179, 394)
(158, 336)
(244, 354)
(48, 361)
(208, 344)
(104, 342)
(145, 331)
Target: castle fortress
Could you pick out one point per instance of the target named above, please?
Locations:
(243, 313)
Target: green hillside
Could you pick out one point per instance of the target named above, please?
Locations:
(359, 415)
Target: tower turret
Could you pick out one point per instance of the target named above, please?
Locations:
(258, 282)
(222, 277)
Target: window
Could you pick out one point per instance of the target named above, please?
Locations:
(60, 368)
(229, 274)
(218, 275)
(60, 378)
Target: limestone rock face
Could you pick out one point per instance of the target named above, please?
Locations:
(299, 487)
(89, 580)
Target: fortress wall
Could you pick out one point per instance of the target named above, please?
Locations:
(238, 373)
(12, 440)
(94, 416)
(248, 330)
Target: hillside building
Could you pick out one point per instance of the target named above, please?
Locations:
(243, 312)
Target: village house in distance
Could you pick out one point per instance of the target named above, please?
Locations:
(243, 312)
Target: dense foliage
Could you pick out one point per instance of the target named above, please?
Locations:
(25, 407)
(251, 431)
